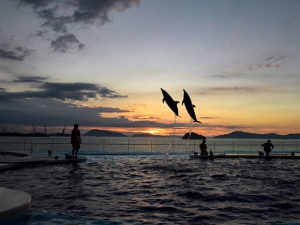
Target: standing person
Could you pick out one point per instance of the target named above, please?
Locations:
(203, 148)
(268, 147)
(75, 140)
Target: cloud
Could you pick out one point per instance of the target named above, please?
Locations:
(62, 43)
(59, 91)
(220, 76)
(268, 63)
(280, 58)
(28, 79)
(59, 16)
(53, 112)
(270, 58)
(208, 117)
(79, 11)
(228, 90)
(13, 55)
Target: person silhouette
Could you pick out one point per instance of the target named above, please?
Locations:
(268, 147)
(75, 140)
(203, 148)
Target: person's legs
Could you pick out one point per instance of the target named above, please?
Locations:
(73, 149)
(76, 152)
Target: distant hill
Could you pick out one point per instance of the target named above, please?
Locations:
(147, 135)
(245, 135)
(193, 136)
(103, 133)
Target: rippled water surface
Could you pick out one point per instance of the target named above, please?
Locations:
(141, 190)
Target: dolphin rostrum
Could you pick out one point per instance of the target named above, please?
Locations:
(189, 106)
(170, 102)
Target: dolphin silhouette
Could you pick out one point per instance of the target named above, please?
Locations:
(189, 106)
(170, 102)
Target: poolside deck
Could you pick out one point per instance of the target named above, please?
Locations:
(13, 203)
(26, 160)
(249, 156)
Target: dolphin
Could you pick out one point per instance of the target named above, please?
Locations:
(189, 106)
(170, 102)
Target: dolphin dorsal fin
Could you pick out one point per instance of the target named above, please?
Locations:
(176, 102)
(194, 106)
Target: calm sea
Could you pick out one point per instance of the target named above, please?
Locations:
(145, 189)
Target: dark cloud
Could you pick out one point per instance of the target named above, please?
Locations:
(268, 63)
(62, 43)
(275, 58)
(56, 113)
(270, 58)
(28, 79)
(220, 76)
(13, 55)
(89, 11)
(280, 58)
(233, 90)
(59, 15)
(244, 89)
(59, 91)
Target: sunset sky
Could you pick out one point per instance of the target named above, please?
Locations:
(102, 64)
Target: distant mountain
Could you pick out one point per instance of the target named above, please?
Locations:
(103, 133)
(147, 135)
(193, 136)
(245, 135)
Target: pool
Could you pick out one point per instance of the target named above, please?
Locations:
(140, 189)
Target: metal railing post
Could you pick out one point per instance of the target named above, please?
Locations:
(103, 144)
(214, 145)
(194, 145)
(173, 145)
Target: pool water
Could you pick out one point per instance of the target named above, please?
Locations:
(143, 190)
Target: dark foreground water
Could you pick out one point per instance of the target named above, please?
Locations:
(140, 190)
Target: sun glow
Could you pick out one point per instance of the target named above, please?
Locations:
(152, 131)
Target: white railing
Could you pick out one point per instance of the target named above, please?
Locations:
(145, 146)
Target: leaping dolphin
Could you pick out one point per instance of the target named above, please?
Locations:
(170, 102)
(189, 106)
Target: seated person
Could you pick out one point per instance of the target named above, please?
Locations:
(203, 148)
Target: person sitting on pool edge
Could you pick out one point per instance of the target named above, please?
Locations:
(268, 147)
(75, 140)
(203, 148)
